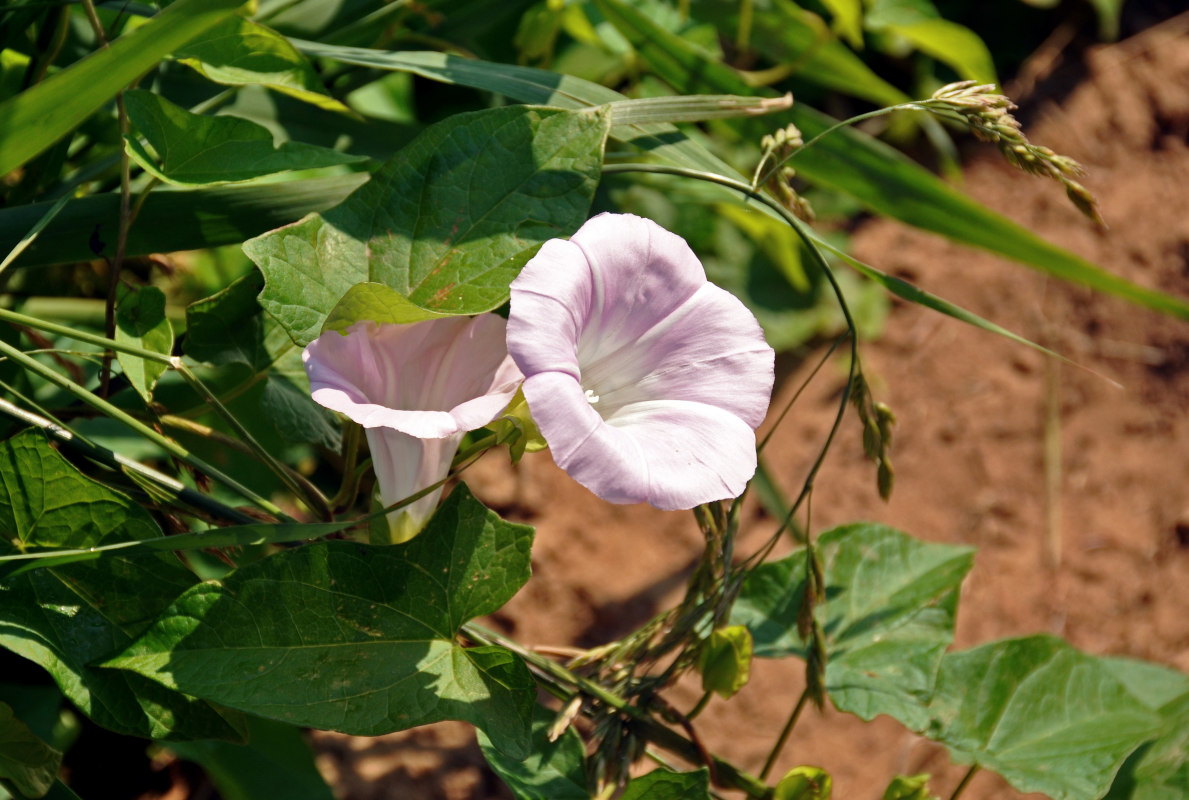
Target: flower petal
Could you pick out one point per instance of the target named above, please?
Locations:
(431, 379)
(416, 389)
(599, 457)
(550, 306)
(646, 380)
(695, 452)
(640, 272)
(670, 454)
(711, 351)
(404, 465)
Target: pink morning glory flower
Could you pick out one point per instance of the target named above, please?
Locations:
(416, 389)
(646, 380)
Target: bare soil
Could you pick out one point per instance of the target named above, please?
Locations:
(1102, 560)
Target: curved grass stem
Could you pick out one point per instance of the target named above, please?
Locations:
(168, 445)
(115, 461)
(306, 491)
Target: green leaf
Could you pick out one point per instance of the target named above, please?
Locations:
(875, 174)
(1153, 684)
(170, 220)
(196, 150)
(378, 303)
(230, 536)
(1160, 769)
(888, 616)
(694, 108)
(662, 784)
(448, 222)
(553, 770)
(848, 19)
(40, 115)
(1046, 717)
(528, 85)
(230, 328)
(902, 12)
(904, 289)
(804, 783)
(950, 43)
(140, 321)
(286, 403)
(1108, 18)
(787, 34)
(367, 632)
(69, 617)
(26, 761)
(276, 762)
(239, 52)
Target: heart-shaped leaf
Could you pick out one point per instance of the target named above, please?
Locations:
(448, 222)
(355, 638)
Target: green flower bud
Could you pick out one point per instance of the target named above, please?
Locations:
(725, 660)
(904, 787)
(804, 783)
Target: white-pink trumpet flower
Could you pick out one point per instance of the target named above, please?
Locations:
(646, 380)
(416, 389)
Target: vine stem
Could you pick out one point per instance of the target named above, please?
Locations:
(727, 774)
(308, 493)
(784, 735)
(961, 787)
(168, 445)
(116, 461)
(700, 705)
(125, 221)
(304, 489)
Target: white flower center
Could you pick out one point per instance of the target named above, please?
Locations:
(591, 397)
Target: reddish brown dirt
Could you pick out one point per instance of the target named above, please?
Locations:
(969, 455)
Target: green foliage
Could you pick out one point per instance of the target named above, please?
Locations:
(68, 618)
(266, 381)
(26, 762)
(170, 220)
(378, 303)
(784, 33)
(1159, 770)
(448, 222)
(276, 761)
(662, 784)
(725, 660)
(377, 637)
(197, 150)
(367, 631)
(37, 117)
(554, 770)
(240, 52)
(918, 23)
(1038, 712)
(140, 321)
(909, 787)
(888, 616)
